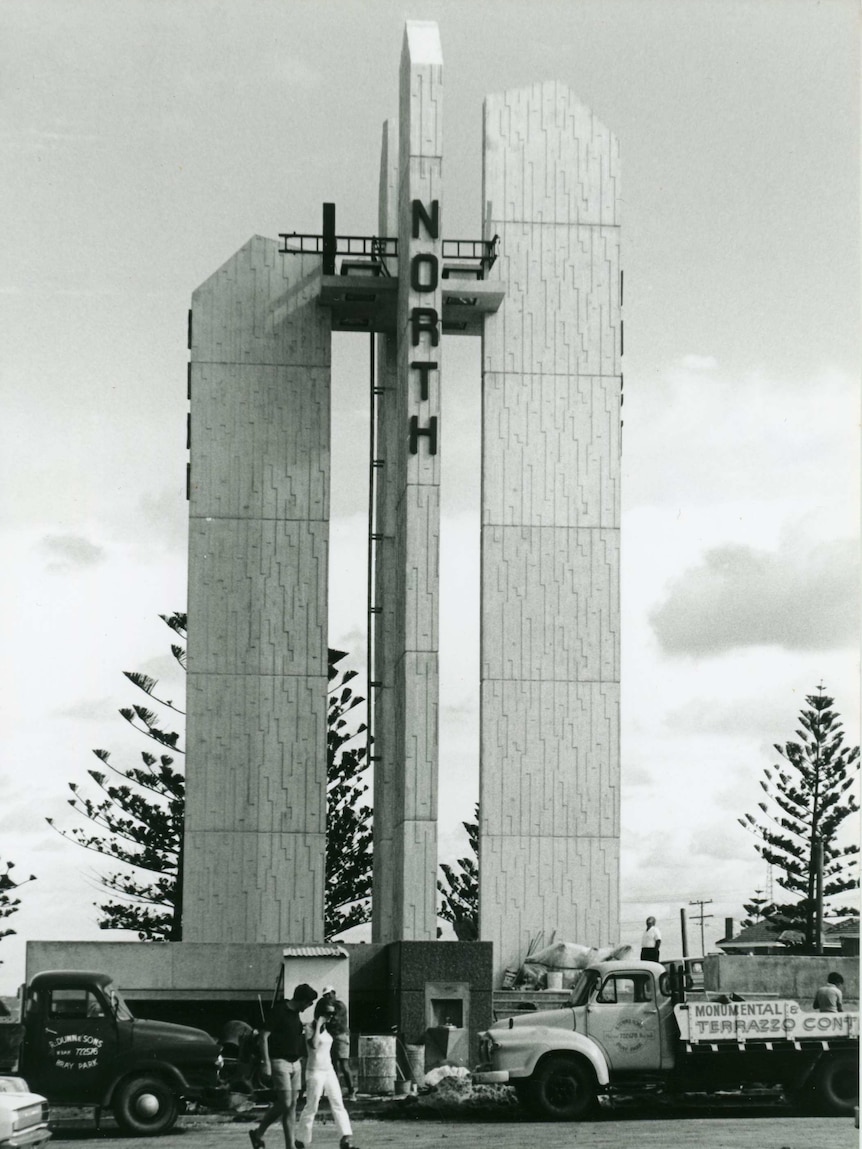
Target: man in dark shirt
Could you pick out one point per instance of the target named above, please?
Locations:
(282, 1047)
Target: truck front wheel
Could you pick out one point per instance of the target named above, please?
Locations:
(561, 1089)
(145, 1106)
(836, 1085)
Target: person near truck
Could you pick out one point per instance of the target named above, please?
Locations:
(651, 941)
(830, 997)
(321, 1080)
(282, 1048)
(338, 1027)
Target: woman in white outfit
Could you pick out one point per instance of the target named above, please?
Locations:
(321, 1080)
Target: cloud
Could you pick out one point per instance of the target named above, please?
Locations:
(798, 597)
(88, 709)
(166, 516)
(636, 776)
(699, 362)
(746, 716)
(696, 438)
(70, 552)
(719, 841)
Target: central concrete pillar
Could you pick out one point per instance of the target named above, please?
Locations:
(408, 483)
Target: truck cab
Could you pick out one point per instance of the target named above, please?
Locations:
(618, 1024)
(74, 1026)
(628, 1013)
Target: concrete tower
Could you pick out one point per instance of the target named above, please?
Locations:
(550, 645)
(257, 655)
(548, 311)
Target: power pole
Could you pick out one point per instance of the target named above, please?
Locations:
(683, 929)
(701, 917)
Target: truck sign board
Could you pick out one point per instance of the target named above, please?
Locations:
(741, 1021)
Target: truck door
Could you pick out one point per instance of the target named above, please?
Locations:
(71, 1044)
(623, 1019)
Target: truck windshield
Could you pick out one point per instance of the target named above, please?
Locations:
(118, 1007)
(583, 987)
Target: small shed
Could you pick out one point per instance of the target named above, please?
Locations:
(317, 966)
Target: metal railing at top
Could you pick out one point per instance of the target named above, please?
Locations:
(375, 247)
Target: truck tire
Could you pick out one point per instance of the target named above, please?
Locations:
(145, 1105)
(836, 1085)
(561, 1088)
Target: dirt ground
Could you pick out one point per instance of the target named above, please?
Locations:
(610, 1130)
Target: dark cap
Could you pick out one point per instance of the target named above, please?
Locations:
(304, 995)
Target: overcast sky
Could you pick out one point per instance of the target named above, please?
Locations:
(144, 142)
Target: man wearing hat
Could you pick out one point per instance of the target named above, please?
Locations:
(338, 1027)
(282, 1048)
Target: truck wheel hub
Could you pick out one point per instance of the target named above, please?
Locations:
(147, 1105)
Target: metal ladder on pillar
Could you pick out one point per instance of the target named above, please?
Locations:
(374, 466)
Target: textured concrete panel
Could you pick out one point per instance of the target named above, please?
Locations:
(268, 886)
(415, 863)
(559, 432)
(417, 689)
(258, 308)
(550, 604)
(561, 164)
(573, 881)
(259, 434)
(549, 755)
(417, 551)
(258, 539)
(277, 721)
(570, 278)
(554, 753)
(264, 582)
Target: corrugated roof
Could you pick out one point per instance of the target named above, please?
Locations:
(314, 952)
(848, 928)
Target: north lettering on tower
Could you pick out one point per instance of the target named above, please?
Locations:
(424, 321)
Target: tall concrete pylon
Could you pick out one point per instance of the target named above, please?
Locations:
(550, 634)
(259, 382)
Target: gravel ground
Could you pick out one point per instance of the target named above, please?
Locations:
(458, 1116)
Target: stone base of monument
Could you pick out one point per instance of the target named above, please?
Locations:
(419, 991)
(443, 997)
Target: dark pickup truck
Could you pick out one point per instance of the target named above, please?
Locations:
(77, 1043)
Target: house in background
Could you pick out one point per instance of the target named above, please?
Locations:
(765, 937)
(846, 934)
(761, 938)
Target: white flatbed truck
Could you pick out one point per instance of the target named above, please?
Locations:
(629, 1027)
